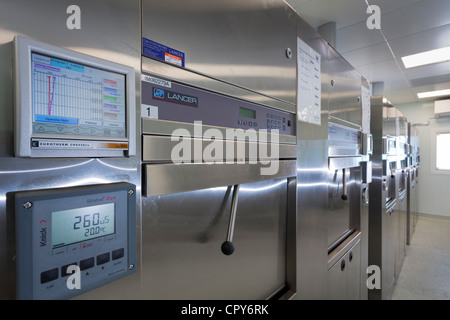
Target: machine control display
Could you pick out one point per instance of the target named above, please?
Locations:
(70, 104)
(247, 113)
(88, 230)
(81, 224)
(76, 99)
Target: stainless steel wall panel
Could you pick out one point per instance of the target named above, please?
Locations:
(101, 35)
(344, 90)
(385, 211)
(243, 43)
(312, 186)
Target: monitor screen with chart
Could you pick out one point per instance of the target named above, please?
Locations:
(71, 98)
(71, 104)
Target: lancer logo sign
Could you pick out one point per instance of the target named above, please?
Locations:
(174, 97)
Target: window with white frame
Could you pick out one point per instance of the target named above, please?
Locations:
(443, 151)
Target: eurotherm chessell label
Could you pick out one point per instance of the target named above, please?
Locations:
(161, 52)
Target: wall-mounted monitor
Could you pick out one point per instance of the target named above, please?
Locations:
(69, 104)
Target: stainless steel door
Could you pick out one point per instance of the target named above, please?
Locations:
(183, 237)
(343, 213)
(345, 274)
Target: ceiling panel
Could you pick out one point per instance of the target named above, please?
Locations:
(318, 12)
(387, 6)
(400, 96)
(379, 71)
(368, 55)
(357, 36)
(433, 70)
(407, 27)
(417, 17)
(443, 79)
(421, 41)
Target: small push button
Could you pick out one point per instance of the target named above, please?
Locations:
(49, 275)
(117, 254)
(103, 258)
(87, 263)
(64, 272)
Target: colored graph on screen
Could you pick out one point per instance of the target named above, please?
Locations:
(67, 97)
(77, 99)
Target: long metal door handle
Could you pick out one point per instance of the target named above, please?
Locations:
(228, 246)
(344, 186)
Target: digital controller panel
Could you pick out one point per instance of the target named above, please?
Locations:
(167, 100)
(70, 104)
(72, 240)
(74, 98)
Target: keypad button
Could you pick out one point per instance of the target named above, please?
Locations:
(49, 275)
(87, 263)
(64, 272)
(117, 254)
(103, 258)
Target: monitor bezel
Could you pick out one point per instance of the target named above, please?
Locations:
(24, 47)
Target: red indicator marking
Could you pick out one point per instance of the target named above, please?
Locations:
(84, 246)
(43, 221)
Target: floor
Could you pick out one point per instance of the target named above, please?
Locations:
(425, 274)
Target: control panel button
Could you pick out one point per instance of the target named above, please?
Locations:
(64, 272)
(117, 254)
(87, 263)
(49, 275)
(103, 258)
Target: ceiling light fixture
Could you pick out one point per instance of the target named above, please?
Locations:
(427, 57)
(431, 94)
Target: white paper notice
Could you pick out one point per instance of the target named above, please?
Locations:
(309, 84)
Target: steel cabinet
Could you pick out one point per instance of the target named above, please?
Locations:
(344, 276)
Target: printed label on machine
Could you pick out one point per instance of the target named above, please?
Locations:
(161, 52)
(157, 81)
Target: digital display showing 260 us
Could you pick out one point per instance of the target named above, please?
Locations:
(81, 224)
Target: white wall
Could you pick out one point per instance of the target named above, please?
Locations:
(434, 189)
